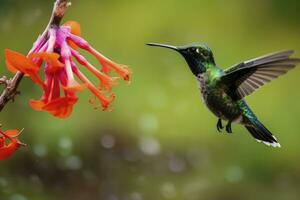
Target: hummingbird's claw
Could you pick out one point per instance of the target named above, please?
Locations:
(228, 127)
(220, 125)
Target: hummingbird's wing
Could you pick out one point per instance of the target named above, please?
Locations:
(244, 78)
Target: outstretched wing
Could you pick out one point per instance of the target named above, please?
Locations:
(244, 78)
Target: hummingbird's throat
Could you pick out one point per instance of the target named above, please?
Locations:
(196, 67)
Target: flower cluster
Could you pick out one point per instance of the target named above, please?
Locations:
(7, 150)
(58, 56)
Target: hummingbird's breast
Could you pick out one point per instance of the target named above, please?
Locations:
(202, 86)
(217, 100)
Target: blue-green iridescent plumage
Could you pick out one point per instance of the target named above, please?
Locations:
(218, 100)
(223, 91)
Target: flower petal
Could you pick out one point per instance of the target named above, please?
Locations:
(106, 63)
(52, 60)
(124, 71)
(8, 150)
(61, 107)
(75, 27)
(2, 142)
(76, 30)
(75, 88)
(37, 104)
(13, 133)
(19, 61)
(104, 100)
(107, 82)
(11, 68)
(23, 64)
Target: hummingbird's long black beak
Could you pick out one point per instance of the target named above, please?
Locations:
(164, 46)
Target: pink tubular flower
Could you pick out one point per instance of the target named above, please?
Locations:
(58, 54)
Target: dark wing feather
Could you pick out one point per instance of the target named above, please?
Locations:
(244, 78)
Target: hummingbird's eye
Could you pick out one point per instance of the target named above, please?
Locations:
(198, 50)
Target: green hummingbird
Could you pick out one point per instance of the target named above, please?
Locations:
(223, 91)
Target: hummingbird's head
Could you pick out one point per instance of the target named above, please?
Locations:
(196, 55)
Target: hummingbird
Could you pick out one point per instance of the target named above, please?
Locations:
(224, 91)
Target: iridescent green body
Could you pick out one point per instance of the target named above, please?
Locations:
(223, 91)
(218, 100)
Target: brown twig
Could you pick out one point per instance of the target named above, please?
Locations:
(11, 85)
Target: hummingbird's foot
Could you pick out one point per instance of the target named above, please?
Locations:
(220, 125)
(228, 127)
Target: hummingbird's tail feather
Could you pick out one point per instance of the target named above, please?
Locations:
(261, 133)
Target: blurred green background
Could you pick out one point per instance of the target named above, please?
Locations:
(160, 142)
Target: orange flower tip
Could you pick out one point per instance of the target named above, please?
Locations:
(75, 30)
(105, 107)
(63, 113)
(51, 58)
(18, 62)
(8, 52)
(61, 102)
(75, 88)
(61, 108)
(127, 78)
(125, 72)
(106, 70)
(72, 45)
(13, 133)
(108, 84)
(10, 67)
(37, 104)
(75, 27)
(106, 104)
